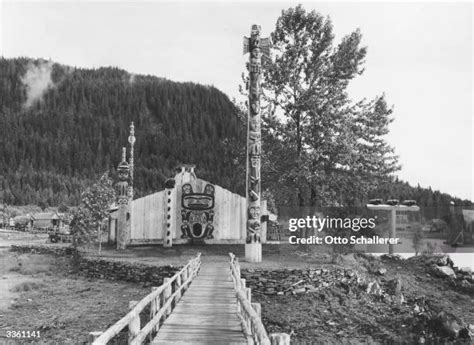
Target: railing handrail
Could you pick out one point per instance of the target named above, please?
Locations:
(138, 308)
(256, 322)
(156, 319)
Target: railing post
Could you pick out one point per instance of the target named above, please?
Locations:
(279, 339)
(242, 284)
(166, 295)
(248, 295)
(178, 286)
(154, 307)
(134, 325)
(184, 279)
(258, 309)
(93, 336)
(237, 267)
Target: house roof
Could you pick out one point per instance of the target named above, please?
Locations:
(21, 219)
(45, 216)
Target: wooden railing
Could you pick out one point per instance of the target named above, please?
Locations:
(161, 300)
(251, 313)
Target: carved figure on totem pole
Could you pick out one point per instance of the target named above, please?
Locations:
(257, 47)
(255, 139)
(123, 170)
(253, 225)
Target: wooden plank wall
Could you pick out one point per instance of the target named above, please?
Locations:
(148, 217)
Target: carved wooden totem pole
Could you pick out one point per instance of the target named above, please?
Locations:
(123, 201)
(257, 47)
(131, 140)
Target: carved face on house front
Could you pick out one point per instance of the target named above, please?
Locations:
(197, 214)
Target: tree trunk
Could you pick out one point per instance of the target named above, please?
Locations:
(100, 238)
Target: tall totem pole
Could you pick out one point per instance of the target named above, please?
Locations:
(257, 47)
(123, 201)
(131, 140)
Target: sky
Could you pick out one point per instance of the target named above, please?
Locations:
(419, 54)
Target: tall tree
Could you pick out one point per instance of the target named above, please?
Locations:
(325, 148)
(93, 210)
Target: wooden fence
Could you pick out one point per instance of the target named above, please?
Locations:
(250, 313)
(161, 301)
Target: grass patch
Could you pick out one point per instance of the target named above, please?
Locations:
(27, 286)
(27, 264)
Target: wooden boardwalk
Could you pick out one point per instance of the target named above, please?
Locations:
(207, 313)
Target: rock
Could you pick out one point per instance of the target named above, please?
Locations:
(361, 281)
(381, 271)
(373, 288)
(350, 274)
(394, 286)
(466, 271)
(394, 257)
(299, 290)
(443, 271)
(344, 281)
(448, 323)
(399, 299)
(465, 285)
(442, 260)
(464, 333)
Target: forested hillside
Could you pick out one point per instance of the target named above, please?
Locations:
(62, 127)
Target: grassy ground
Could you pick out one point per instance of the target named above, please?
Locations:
(40, 296)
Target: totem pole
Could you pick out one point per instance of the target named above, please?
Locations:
(123, 201)
(131, 140)
(257, 47)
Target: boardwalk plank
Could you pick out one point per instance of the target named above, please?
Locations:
(207, 313)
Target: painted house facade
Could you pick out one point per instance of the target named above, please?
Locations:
(192, 210)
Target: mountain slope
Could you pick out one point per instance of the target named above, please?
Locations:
(61, 127)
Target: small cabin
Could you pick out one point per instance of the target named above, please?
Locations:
(47, 220)
(23, 223)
